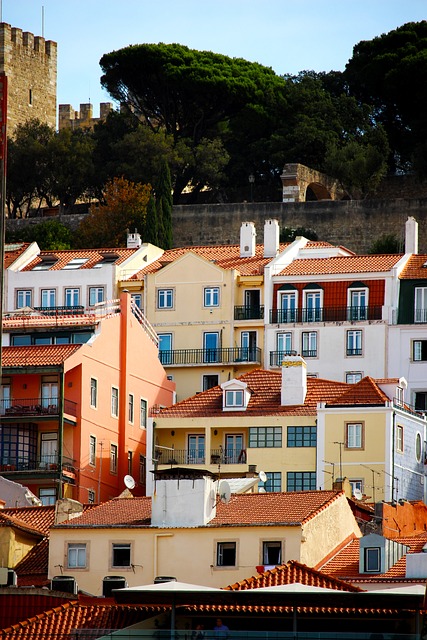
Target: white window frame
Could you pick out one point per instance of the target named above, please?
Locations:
(211, 297)
(92, 450)
(94, 393)
(315, 312)
(308, 341)
(357, 295)
(165, 298)
(114, 453)
(26, 297)
(355, 338)
(354, 435)
(114, 401)
(48, 298)
(288, 312)
(219, 556)
(143, 413)
(131, 408)
(420, 304)
(368, 553)
(235, 398)
(399, 438)
(96, 295)
(353, 377)
(74, 294)
(77, 555)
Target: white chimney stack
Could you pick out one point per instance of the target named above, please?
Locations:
(271, 238)
(411, 235)
(133, 240)
(247, 240)
(294, 381)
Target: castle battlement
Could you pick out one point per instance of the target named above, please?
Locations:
(69, 118)
(30, 63)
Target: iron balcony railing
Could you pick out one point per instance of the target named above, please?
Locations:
(277, 357)
(354, 352)
(199, 456)
(249, 313)
(10, 407)
(325, 314)
(420, 315)
(71, 310)
(47, 463)
(231, 355)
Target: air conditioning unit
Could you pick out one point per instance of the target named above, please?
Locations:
(112, 582)
(12, 578)
(160, 579)
(66, 584)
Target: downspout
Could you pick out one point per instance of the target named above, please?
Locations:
(123, 396)
(392, 455)
(61, 430)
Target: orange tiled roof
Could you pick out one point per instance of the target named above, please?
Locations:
(33, 568)
(345, 564)
(341, 264)
(8, 520)
(13, 251)
(33, 319)
(290, 573)
(94, 256)
(38, 518)
(415, 268)
(265, 390)
(226, 256)
(38, 355)
(261, 509)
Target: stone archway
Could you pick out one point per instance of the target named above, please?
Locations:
(302, 184)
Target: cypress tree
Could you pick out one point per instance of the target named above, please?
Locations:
(164, 206)
(151, 233)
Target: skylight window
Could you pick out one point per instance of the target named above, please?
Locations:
(45, 264)
(75, 263)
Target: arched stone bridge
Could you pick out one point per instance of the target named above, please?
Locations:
(301, 184)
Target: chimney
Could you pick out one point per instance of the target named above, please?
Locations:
(294, 381)
(271, 238)
(411, 235)
(247, 240)
(133, 240)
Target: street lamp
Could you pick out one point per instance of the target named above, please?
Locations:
(251, 182)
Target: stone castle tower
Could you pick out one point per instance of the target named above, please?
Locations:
(30, 63)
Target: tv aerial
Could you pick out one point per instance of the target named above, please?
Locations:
(129, 482)
(224, 492)
(262, 476)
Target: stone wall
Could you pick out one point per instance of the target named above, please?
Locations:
(355, 224)
(30, 63)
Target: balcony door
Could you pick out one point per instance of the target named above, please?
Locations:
(196, 449)
(48, 450)
(313, 309)
(288, 303)
(248, 346)
(165, 348)
(252, 304)
(49, 393)
(5, 397)
(211, 346)
(358, 310)
(234, 451)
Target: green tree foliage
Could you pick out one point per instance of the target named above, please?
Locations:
(163, 191)
(390, 73)
(388, 243)
(125, 209)
(50, 235)
(151, 231)
(288, 234)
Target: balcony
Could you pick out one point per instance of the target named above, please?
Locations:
(72, 310)
(231, 355)
(198, 456)
(249, 313)
(44, 464)
(420, 316)
(325, 314)
(35, 407)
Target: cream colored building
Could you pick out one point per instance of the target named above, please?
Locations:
(188, 532)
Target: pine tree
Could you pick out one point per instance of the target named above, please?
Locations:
(164, 206)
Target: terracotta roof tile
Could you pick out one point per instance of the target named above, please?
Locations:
(225, 256)
(13, 251)
(341, 264)
(290, 573)
(33, 319)
(38, 355)
(93, 255)
(33, 568)
(38, 518)
(8, 520)
(364, 392)
(242, 510)
(415, 268)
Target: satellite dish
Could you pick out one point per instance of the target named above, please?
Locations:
(262, 476)
(224, 492)
(129, 482)
(262, 490)
(358, 494)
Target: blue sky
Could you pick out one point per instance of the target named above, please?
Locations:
(287, 35)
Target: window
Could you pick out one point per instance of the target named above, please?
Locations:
(283, 348)
(49, 450)
(5, 394)
(76, 556)
(210, 381)
(121, 555)
(48, 298)
(356, 486)
(75, 263)
(143, 413)
(273, 484)
(372, 559)
(142, 467)
(130, 408)
(309, 344)
(234, 398)
(96, 294)
(354, 343)
(265, 437)
(352, 377)
(196, 449)
(113, 458)
(49, 391)
(165, 348)
(211, 296)
(419, 350)
(420, 314)
(234, 451)
(399, 438)
(288, 304)
(210, 346)
(30, 96)
(248, 341)
(421, 401)
(312, 306)
(137, 299)
(302, 436)
(358, 308)
(92, 450)
(165, 298)
(130, 462)
(93, 393)
(354, 435)
(72, 297)
(226, 554)
(114, 402)
(418, 447)
(301, 480)
(271, 553)
(47, 496)
(91, 496)
(24, 298)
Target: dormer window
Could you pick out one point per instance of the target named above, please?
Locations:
(235, 395)
(46, 263)
(372, 559)
(357, 301)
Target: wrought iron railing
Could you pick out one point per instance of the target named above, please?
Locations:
(249, 313)
(276, 357)
(325, 314)
(199, 456)
(41, 463)
(19, 407)
(354, 352)
(71, 310)
(232, 355)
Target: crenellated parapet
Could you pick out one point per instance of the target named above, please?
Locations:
(30, 63)
(68, 118)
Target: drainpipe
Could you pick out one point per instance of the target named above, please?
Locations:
(392, 455)
(61, 431)
(123, 390)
